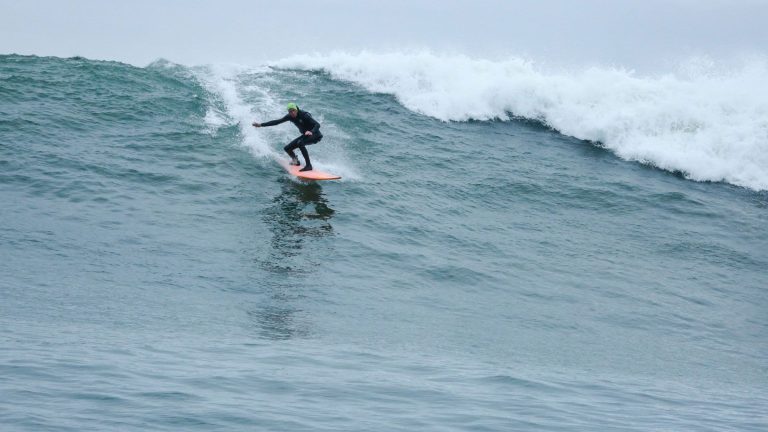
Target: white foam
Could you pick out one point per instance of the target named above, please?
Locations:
(708, 123)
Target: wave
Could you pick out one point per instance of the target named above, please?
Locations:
(705, 121)
(238, 95)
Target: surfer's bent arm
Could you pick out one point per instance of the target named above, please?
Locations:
(272, 122)
(315, 125)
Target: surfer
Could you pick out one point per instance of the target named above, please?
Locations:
(310, 133)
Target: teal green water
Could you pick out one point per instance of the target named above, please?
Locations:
(160, 271)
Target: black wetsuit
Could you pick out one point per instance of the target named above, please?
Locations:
(304, 122)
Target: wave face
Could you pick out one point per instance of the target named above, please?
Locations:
(159, 271)
(707, 123)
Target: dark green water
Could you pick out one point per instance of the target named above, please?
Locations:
(159, 270)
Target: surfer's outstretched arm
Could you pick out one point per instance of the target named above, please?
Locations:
(272, 122)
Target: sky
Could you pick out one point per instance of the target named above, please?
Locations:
(637, 34)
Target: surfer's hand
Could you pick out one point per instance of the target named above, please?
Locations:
(308, 133)
(255, 124)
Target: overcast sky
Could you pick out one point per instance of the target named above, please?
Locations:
(631, 33)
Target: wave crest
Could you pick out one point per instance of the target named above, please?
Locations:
(701, 120)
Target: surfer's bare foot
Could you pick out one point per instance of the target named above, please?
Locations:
(306, 168)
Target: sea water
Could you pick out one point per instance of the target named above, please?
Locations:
(510, 248)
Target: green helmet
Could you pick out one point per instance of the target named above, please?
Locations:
(292, 106)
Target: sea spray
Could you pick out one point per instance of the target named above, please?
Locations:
(230, 86)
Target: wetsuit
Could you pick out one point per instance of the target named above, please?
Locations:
(304, 122)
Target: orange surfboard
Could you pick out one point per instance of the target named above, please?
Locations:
(307, 175)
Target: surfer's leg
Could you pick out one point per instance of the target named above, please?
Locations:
(290, 150)
(305, 141)
(305, 154)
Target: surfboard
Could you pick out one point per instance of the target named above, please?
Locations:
(307, 175)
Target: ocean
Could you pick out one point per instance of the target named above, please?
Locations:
(510, 247)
